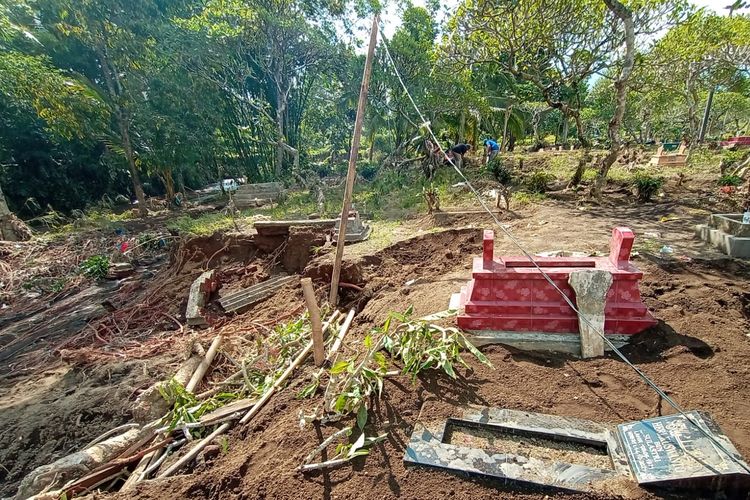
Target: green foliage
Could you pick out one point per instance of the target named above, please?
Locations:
(647, 185)
(730, 180)
(202, 225)
(96, 267)
(537, 181)
(187, 409)
(420, 345)
(500, 171)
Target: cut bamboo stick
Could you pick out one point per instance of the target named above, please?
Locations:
(340, 337)
(351, 173)
(317, 328)
(187, 458)
(205, 364)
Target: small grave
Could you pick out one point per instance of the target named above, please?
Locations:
(727, 233)
(257, 195)
(508, 300)
(678, 159)
(356, 228)
(572, 454)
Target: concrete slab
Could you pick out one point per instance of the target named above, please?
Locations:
(734, 246)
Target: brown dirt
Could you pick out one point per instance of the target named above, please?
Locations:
(699, 353)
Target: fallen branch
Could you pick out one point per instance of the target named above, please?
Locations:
(250, 414)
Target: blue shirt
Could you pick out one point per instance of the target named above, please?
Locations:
(492, 144)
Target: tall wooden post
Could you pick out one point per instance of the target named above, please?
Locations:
(352, 171)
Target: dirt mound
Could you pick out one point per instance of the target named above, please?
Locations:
(300, 246)
(698, 355)
(48, 418)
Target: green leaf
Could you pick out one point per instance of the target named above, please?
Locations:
(340, 367)
(362, 417)
(359, 443)
(368, 341)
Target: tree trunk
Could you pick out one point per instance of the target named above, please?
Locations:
(706, 115)
(279, 133)
(11, 227)
(580, 130)
(372, 146)
(130, 157)
(565, 126)
(503, 141)
(621, 88)
(462, 128)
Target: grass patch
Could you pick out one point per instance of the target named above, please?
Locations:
(203, 225)
(521, 198)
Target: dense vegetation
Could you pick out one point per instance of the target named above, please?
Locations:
(100, 98)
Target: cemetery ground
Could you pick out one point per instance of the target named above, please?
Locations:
(78, 350)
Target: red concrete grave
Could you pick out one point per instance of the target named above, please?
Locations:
(509, 294)
(739, 142)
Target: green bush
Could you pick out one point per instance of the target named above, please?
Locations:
(500, 171)
(647, 185)
(368, 170)
(536, 182)
(96, 266)
(730, 180)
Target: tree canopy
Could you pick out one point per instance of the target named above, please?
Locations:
(146, 97)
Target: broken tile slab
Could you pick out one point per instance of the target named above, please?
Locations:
(673, 451)
(556, 452)
(250, 295)
(200, 291)
(428, 447)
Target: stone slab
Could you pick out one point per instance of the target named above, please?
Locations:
(734, 246)
(673, 451)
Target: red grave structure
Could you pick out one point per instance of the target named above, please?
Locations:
(509, 294)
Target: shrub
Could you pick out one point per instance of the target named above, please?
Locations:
(730, 180)
(536, 182)
(368, 170)
(96, 266)
(500, 171)
(647, 185)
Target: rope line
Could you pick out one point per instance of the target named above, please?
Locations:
(531, 259)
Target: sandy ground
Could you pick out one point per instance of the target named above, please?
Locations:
(699, 353)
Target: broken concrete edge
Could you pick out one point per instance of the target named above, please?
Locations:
(591, 287)
(427, 447)
(200, 291)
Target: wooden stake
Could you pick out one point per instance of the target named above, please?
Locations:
(205, 364)
(352, 171)
(317, 328)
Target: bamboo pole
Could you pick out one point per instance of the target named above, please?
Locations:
(205, 364)
(352, 171)
(187, 458)
(317, 328)
(340, 337)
